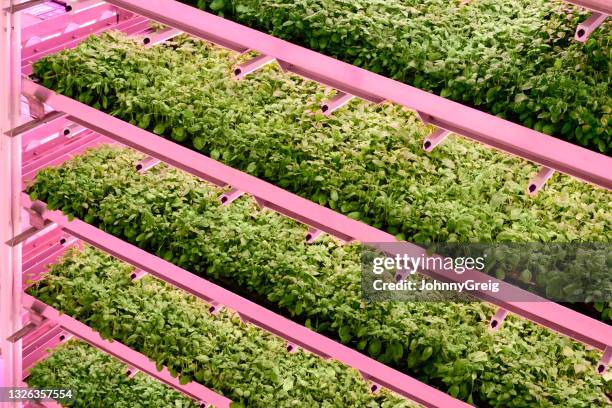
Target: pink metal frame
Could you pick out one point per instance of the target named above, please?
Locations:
(548, 314)
(50, 141)
(10, 184)
(294, 333)
(582, 328)
(445, 114)
(601, 6)
(125, 354)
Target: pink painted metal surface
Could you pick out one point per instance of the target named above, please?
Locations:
(252, 65)
(589, 25)
(68, 30)
(455, 117)
(605, 361)
(335, 103)
(58, 23)
(160, 36)
(312, 235)
(548, 314)
(252, 312)
(434, 139)
(10, 181)
(539, 180)
(230, 196)
(497, 319)
(61, 155)
(37, 344)
(602, 6)
(146, 164)
(118, 350)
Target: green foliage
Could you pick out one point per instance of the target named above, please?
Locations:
(263, 254)
(365, 161)
(236, 359)
(515, 59)
(100, 381)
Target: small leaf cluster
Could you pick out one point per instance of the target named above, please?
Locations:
(100, 381)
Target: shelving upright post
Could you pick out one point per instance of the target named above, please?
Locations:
(10, 186)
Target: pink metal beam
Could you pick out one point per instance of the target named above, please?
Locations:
(252, 312)
(335, 103)
(585, 28)
(516, 300)
(602, 6)
(548, 314)
(455, 117)
(194, 390)
(58, 24)
(47, 337)
(64, 40)
(161, 36)
(252, 65)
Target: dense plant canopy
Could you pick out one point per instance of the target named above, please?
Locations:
(176, 330)
(263, 255)
(365, 161)
(515, 59)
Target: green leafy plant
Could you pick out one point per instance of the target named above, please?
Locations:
(365, 161)
(98, 380)
(263, 255)
(176, 330)
(515, 59)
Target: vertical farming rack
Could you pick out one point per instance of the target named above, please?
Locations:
(41, 128)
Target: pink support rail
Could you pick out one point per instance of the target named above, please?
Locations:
(455, 117)
(133, 358)
(602, 6)
(68, 30)
(548, 314)
(249, 311)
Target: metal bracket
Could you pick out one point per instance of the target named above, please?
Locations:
(36, 123)
(401, 275)
(35, 105)
(605, 361)
(252, 65)
(261, 203)
(312, 235)
(131, 371)
(375, 387)
(230, 196)
(434, 139)
(72, 130)
(537, 182)
(23, 6)
(291, 348)
(146, 164)
(35, 321)
(160, 36)
(497, 319)
(215, 308)
(37, 222)
(335, 103)
(137, 274)
(585, 28)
